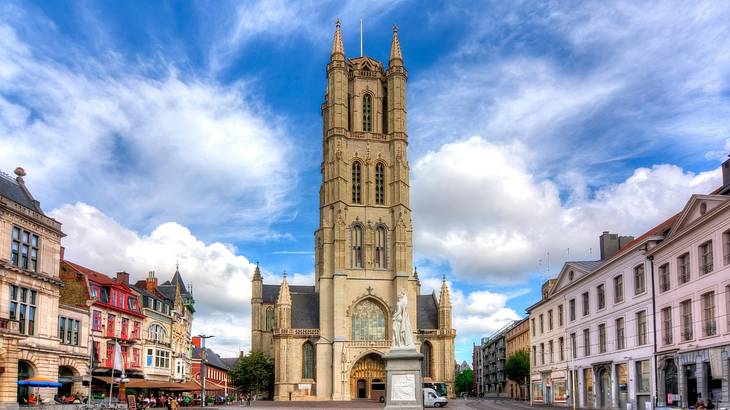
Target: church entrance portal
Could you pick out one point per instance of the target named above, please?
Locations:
(367, 378)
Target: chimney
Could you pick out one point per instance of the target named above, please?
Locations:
(63, 252)
(726, 174)
(196, 342)
(609, 244)
(123, 278)
(151, 283)
(624, 240)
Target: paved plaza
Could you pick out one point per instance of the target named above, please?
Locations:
(483, 404)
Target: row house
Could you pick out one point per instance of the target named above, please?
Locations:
(609, 324)
(548, 370)
(518, 339)
(157, 330)
(30, 249)
(691, 270)
(183, 309)
(115, 315)
(648, 324)
(215, 372)
(477, 366)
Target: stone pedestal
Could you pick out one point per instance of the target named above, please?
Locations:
(404, 386)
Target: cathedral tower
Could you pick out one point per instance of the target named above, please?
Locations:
(329, 339)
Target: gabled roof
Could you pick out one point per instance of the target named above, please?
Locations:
(582, 268)
(231, 362)
(17, 193)
(691, 211)
(427, 313)
(141, 287)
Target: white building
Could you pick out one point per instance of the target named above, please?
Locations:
(548, 366)
(692, 276)
(610, 324)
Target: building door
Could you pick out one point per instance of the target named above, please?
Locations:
(623, 385)
(362, 391)
(690, 373)
(25, 371)
(588, 388)
(605, 388)
(670, 382)
(367, 373)
(548, 395)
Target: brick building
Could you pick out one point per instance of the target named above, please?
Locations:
(217, 380)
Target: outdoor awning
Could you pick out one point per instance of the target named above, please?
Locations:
(162, 385)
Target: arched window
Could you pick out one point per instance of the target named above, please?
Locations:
(379, 257)
(307, 361)
(426, 363)
(367, 113)
(269, 319)
(368, 321)
(356, 174)
(357, 260)
(156, 333)
(379, 184)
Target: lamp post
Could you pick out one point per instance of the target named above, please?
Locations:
(203, 368)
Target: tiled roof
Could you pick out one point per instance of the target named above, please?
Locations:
(657, 230)
(231, 362)
(589, 266)
(212, 358)
(305, 310)
(271, 292)
(93, 275)
(427, 312)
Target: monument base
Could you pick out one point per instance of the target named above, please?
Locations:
(404, 385)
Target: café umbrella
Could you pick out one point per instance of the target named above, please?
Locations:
(39, 382)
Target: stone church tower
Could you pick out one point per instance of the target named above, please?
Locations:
(328, 339)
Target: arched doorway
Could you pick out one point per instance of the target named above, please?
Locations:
(25, 371)
(367, 378)
(605, 388)
(670, 380)
(66, 376)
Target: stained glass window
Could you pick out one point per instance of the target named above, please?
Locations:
(307, 361)
(269, 319)
(368, 322)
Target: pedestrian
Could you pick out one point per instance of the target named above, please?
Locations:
(710, 405)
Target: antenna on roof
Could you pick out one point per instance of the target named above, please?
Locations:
(360, 37)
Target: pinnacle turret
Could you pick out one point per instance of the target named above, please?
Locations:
(445, 298)
(338, 50)
(284, 295)
(396, 57)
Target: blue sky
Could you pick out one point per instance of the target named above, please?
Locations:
(190, 131)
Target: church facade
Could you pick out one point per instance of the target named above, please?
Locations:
(328, 339)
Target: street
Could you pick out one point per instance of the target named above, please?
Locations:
(472, 403)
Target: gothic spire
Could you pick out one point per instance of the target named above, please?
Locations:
(257, 272)
(338, 50)
(284, 295)
(396, 57)
(444, 299)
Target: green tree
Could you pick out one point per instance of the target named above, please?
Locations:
(254, 373)
(517, 367)
(464, 380)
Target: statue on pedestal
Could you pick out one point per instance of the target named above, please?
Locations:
(402, 333)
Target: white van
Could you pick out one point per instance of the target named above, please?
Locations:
(432, 399)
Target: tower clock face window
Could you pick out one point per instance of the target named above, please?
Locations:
(367, 113)
(356, 174)
(368, 321)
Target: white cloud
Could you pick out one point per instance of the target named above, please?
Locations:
(479, 207)
(220, 276)
(145, 149)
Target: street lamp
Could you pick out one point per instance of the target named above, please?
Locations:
(203, 368)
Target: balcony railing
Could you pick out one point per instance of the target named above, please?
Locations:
(110, 333)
